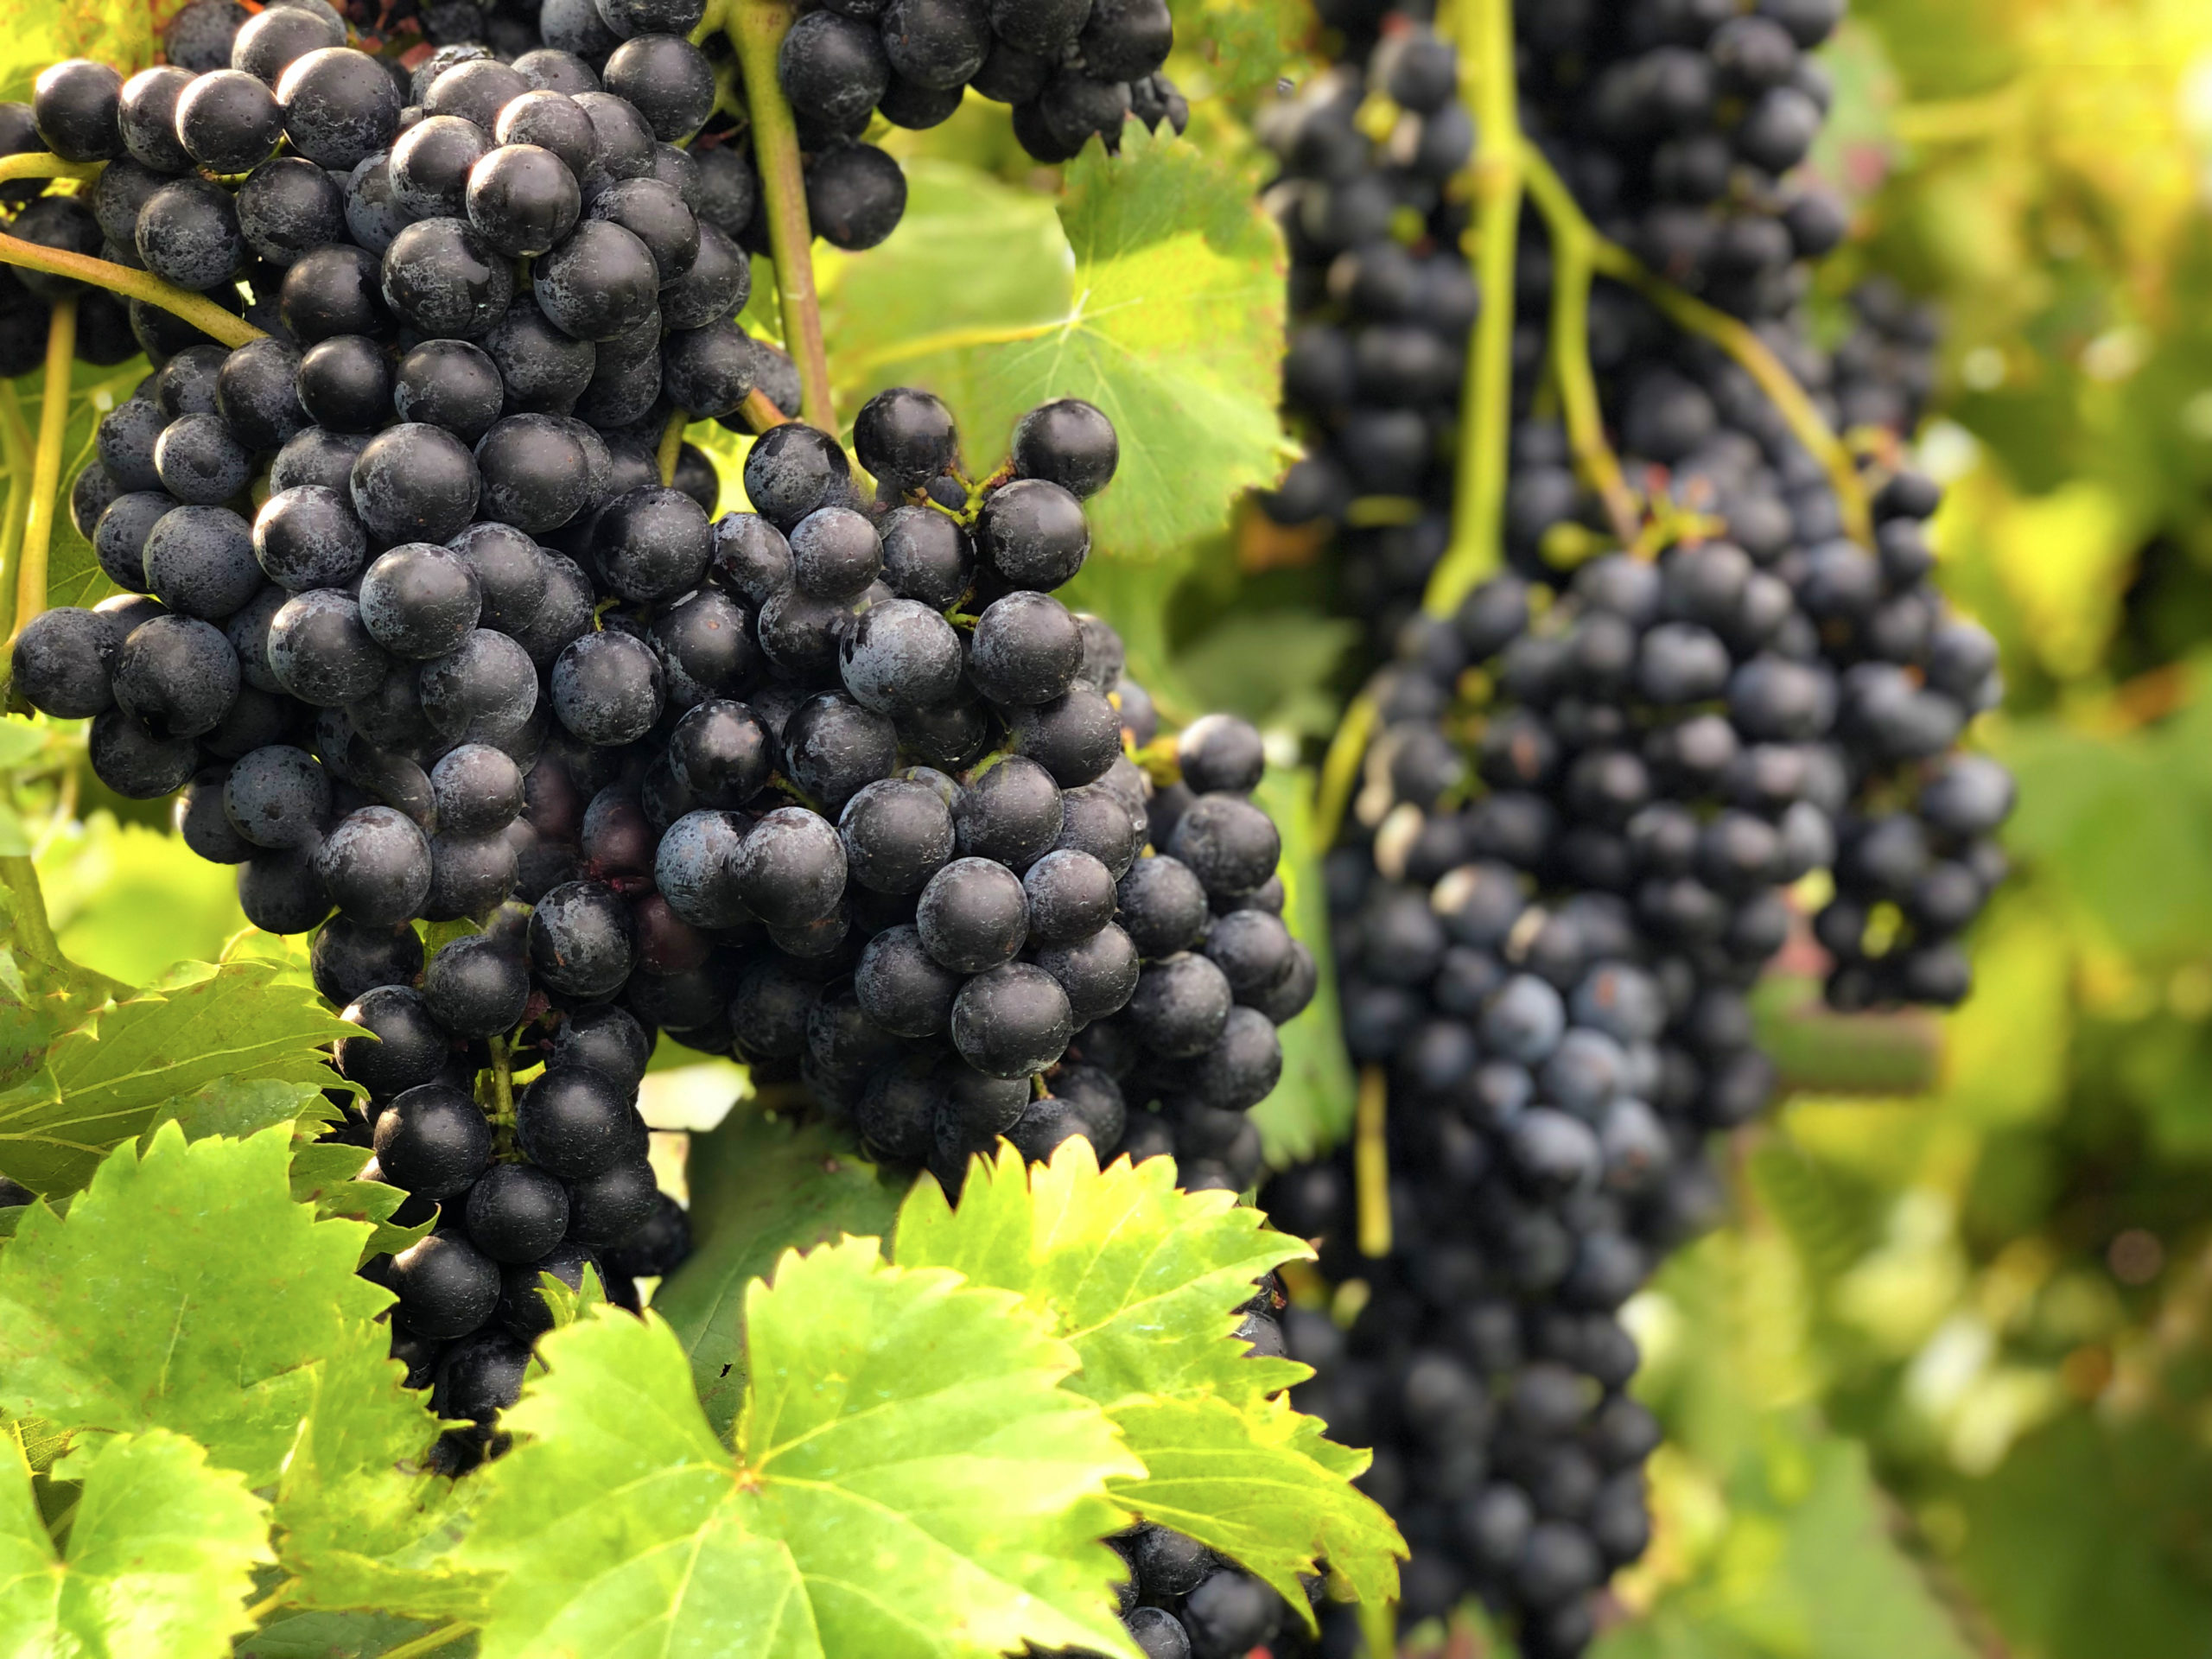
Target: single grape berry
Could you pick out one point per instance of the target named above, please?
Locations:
(375, 865)
(476, 987)
(722, 752)
(1069, 443)
(1012, 1021)
(795, 469)
(574, 1122)
(906, 437)
(348, 960)
(434, 1141)
(1033, 533)
(404, 1046)
(580, 940)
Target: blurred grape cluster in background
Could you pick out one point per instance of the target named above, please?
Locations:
(1943, 1387)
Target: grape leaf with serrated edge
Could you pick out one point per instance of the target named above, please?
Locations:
(759, 1185)
(1169, 318)
(103, 1081)
(359, 1523)
(909, 1479)
(1145, 1280)
(160, 1559)
(324, 1174)
(185, 1290)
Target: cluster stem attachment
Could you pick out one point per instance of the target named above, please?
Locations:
(46, 467)
(200, 312)
(757, 28)
(1484, 36)
(1579, 250)
(1574, 240)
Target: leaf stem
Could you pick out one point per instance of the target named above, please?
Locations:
(757, 28)
(671, 445)
(1340, 768)
(34, 930)
(45, 466)
(1693, 316)
(201, 313)
(1574, 267)
(1485, 41)
(429, 1644)
(1370, 1154)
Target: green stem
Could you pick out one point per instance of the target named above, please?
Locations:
(671, 445)
(11, 546)
(1371, 1161)
(200, 312)
(1573, 267)
(761, 411)
(1340, 768)
(1737, 337)
(443, 1635)
(45, 466)
(758, 28)
(1568, 223)
(502, 1081)
(38, 164)
(1485, 35)
(34, 930)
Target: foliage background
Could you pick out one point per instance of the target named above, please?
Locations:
(1946, 1387)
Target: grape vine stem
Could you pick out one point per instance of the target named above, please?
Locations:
(757, 28)
(38, 164)
(1570, 226)
(1371, 1154)
(1573, 267)
(1340, 768)
(1484, 36)
(45, 466)
(761, 413)
(201, 313)
(672, 446)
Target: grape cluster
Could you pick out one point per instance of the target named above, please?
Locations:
(1677, 127)
(1590, 788)
(1071, 69)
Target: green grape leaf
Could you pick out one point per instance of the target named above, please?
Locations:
(106, 1081)
(185, 1290)
(1145, 1280)
(238, 1107)
(1245, 44)
(342, 1636)
(160, 1559)
(1168, 314)
(759, 1185)
(323, 1175)
(360, 1523)
(910, 1482)
(1263, 1486)
(1311, 1109)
